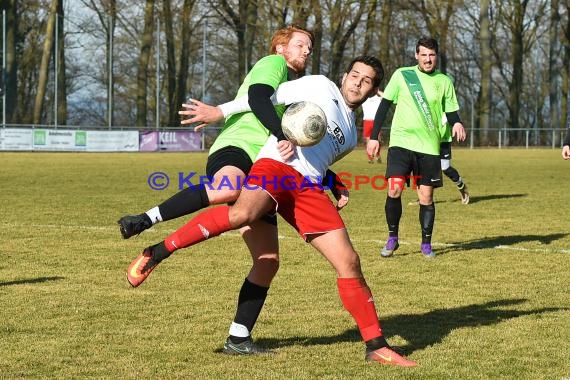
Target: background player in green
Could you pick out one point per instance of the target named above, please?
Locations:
(229, 161)
(422, 94)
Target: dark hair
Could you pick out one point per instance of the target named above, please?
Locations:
(427, 42)
(372, 62)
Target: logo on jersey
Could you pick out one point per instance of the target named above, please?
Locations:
(337, 132)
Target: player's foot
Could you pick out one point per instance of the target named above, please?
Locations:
(370, 161)
(379, 160)
(244, 348)
(131, 225)
(464, 195)
(386, 355)
(414, 203)
(141, 267)
(391, 245)
(426, 250)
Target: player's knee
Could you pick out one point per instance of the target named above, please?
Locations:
(223, 195)
(268, 264)
(241, 216)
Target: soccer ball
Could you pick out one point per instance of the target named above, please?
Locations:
(304, 123)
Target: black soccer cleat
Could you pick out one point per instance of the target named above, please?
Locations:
(244, 348)
(131, 225)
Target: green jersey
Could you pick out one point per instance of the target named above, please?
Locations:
(244, 130)
(412, 128)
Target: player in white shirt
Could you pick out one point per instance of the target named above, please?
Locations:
(293, 189)
(369, 108)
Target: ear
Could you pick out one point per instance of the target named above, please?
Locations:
(343, 78)
(279, 49)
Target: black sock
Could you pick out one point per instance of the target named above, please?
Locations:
(427, 218)
(250, 302)
(393, 209)
(159, 252)
(376, 343)
(184, 202)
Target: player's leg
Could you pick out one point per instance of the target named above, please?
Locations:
(398, 167)
(208, 224)
(452, 173)
(366, 132)
(356, 296)
(429, 172)
(261, 239)
(226, 169)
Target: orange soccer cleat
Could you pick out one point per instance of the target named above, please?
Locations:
(141, 267)
(386, 355)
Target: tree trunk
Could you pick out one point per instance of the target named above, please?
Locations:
(516, 85)
(61, 95)
(44, 66)
(109, 42)
(10, 76)
(173, 118)
(384, 39)
(370, 31)
(485, 94)
(553, 68)
(144, 59)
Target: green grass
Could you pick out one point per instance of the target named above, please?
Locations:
(495, 303)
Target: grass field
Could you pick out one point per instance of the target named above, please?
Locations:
(494, 303)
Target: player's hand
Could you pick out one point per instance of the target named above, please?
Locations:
(197, 112)
(341, 195)
(286, 149)
(566, 152)
(458, 131)
(373, 148)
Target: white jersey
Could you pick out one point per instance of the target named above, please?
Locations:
(341, 137)
(370, 106)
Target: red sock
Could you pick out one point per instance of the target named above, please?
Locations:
(205, 225)
(357, 300)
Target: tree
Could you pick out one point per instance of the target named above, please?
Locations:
(44, 68)
(143, 63)
(485, 93)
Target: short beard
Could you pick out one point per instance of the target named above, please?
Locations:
(296, 64)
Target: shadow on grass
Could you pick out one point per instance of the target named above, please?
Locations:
(423, 330)
(496, 241)
(490, 197)
(31, 281)
(476, 199)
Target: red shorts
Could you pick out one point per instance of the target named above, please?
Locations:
(304, 205)
(367, 128)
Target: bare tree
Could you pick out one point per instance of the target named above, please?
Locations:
(485, 94)
(61, 78)
(44, 68)
(143, 63)
(566, 71)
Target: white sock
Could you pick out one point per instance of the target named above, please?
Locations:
(239, 330)
(154, 215)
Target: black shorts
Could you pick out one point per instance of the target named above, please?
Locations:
(228, 156)
(233, 156)
(445, 150)
(426, 167)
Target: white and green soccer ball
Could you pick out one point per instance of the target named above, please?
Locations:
(304, 123)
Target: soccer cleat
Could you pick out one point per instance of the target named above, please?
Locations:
(244, 348)
(141, 267)
(464, 195)
(386, 355)
(427, 251)
(131, 225)
(391, 245)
